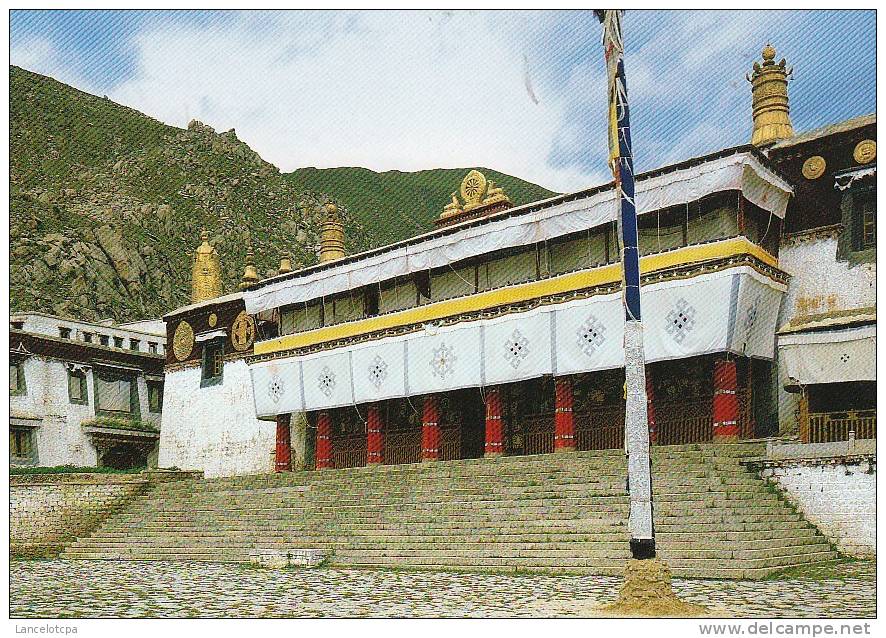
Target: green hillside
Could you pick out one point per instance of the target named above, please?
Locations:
(107, 204)
(397, 205)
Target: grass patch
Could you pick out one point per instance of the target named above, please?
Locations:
(831, 570)
(70, 469)
(117, 423)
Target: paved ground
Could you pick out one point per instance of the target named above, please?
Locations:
(58, 588)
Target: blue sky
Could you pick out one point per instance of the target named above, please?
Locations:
(523, 92)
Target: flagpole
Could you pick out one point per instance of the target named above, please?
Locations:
(636, 419)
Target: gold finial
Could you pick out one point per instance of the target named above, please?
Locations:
(285, 264)
(769, 88)
(250, 275)
(206, 280)
(332, 235)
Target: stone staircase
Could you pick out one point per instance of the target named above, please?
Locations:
(553, 512)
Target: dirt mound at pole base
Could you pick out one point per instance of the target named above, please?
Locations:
(647, 592)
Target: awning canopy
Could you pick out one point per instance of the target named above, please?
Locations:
(831, 356)
(738, 171)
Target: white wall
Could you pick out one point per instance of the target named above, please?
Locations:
(817, 278)
(214, 429)
(60, 438)
(821, 284)
(837, 496)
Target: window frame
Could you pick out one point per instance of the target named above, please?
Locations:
(29, 434)
(84, 388)
(155, 386)
(210, 347)
(21, 384)
(132, 377)
(864, 195)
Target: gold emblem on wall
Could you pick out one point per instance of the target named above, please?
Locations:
(865, 151)
(473, 187)
(183, 341)
(213, 319)
(243, 331)
(813, 168)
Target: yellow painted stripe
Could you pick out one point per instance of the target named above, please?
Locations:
(515, 294)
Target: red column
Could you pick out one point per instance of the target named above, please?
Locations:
(374, 437)
(650, 409)
(283, 454)
(323, 449)
(725, 403)
(430, 429)
(494, 425)
(564, 422)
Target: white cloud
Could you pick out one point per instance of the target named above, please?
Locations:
(440, 90)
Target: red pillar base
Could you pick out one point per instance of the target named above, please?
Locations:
(283, 451)
(430, 429)
(494, 426)
(725, 402)
(323, 449)
(564, 421)
(374, 437)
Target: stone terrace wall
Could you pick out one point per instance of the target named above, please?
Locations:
(49, 511)
(837, 494)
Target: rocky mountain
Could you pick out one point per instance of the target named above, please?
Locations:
(107, 204)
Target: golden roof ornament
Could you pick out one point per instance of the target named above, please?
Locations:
(769, 90)
(494, 195)
(477, 193)
(452, 208)
(332, 235)
(250, 275)
(206, 281)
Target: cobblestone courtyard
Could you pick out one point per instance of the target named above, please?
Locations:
(90, 589)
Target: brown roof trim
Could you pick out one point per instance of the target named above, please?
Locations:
(88, 353)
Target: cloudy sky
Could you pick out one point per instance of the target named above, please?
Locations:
(521, 92)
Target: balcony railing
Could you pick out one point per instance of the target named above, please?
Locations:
(825, 427)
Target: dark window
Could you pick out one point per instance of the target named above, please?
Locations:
(118, 342)
(155, 396)
(21, 445)
(17, 378)
(152, 347)
(64, 333)
(87, 337)
(77, 392)
(17, 325)
(104, 340)
(370, 300)
(864, 205)
(423, 284)
(133, 344)
(213, 362)
(116, 392)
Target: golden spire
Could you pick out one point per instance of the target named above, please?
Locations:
(332, 235)
(250, 275)
(769, 88)
(206, 281)
(285, 264)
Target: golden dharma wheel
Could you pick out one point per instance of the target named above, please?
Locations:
(865, 152)
(183, 341)
(814, 167)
